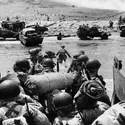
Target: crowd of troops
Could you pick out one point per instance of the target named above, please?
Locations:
(79, 104)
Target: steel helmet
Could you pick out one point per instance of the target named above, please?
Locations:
(34, 51)
(22, 64)
(62, 100)
(63, 46)
(76, 55)
(93, 64)
(82, 52)
(9, 89)
(47, 62)
(83, 58)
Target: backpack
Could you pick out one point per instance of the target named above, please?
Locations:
(76, 120)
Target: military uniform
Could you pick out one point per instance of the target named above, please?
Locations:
(62, 54)
(93, 67)
(66, 113)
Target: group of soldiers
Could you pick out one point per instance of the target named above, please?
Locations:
(80, 103)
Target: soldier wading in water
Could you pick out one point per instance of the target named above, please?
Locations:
(62, 54)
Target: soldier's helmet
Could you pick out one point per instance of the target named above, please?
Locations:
(93, 64)
(83, 58)
(47, 62)
(62, 101)
(63, 46)
(82, 52)
(76, 55)
(8, 18)
(21, 65)
(34, 51)
(9, 89)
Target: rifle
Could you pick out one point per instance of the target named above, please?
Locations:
(27, 107)
(86, 72)
(29, 117)
(57, 65)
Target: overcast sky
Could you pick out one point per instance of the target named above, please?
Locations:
(103, 4)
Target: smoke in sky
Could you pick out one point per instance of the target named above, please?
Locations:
(100, 4)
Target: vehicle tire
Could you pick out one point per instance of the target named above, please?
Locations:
(17, 37)
(122, 34)
(26, 44)
(4, 38)
(104, 36)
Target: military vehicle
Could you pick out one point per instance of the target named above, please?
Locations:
(122, 30)
(84, 32)
(30, 37)
(33, 35)
(11, 29)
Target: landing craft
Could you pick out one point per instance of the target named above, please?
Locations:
(118, 82)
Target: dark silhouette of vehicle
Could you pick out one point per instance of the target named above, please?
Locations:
(33, 35)
(30, 37)
(5, 33)
(122, 30)
(84, 32)
(11, 29)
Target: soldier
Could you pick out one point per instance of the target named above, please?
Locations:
(93, 67)
(11, 100)
(74, 61)
(36, 58)
(62, 54)
(87, 100)
(79, 73)
(82, 52)
(111, 24)
(17, 19)
(33, 54)
(22, 70)
(22, 65)
(48, 65)
(65, 110)
(50, 54)
(59, 36)
(8, 20)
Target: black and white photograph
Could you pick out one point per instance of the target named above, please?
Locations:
(62, 62)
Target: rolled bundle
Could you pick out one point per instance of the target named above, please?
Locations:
(48, 82)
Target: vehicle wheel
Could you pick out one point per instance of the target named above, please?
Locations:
(104, 36)
(25, 44)
(122, 34)
(83, 38)
(4, 38)
(17, 38)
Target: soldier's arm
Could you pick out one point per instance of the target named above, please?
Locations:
(32, 70)
(70, 67)
(57, 121)
(79, 93)
(67, 53)
(57, 53)
(102, 80)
